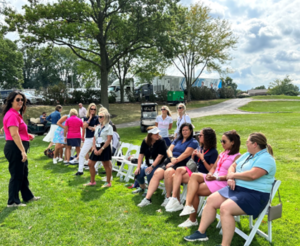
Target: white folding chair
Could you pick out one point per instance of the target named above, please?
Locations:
(183, 194)
(255, 228)
(120, 156)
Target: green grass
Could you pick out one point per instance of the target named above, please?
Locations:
(272, 106)
(121, 112)
(276, 97)
(69, 214)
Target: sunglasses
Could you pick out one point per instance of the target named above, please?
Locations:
(223, 141)
(19, 99)
(179, 108)
(100, 117)
(163, 109)
(92, 109)
(200, 135)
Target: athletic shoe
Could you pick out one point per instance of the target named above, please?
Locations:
(138, 190)
(145, 192)
(66, 163)
(196, 236)
(78, 173)
(188, 223)
(60, 159)
(145, 202)
(165, 202)
(86, 162)
(175, 206)
(187, 210)
(34, 199)
(87, 168)
(90, 184)
(106, 185)
(54, 161)
(172, 200)
(74, 162)
(16, 205)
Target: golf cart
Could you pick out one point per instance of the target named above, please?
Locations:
(36, 127)
(149, 113)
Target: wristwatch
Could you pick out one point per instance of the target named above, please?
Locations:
(152, 166)
(103, 148)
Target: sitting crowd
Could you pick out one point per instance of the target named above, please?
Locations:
(234, 183)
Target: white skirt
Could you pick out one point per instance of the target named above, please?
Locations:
(50, 135)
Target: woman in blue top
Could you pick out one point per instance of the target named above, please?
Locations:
(178, 154)
(250, 180)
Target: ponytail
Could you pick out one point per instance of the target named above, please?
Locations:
(270, 150)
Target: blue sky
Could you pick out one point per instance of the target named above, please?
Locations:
(268, 34)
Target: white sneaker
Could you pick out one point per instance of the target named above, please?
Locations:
(86, 162)
(188, 223)
(187, 210)
(104, 178)
(172, 201)
(175, 206)
(144, 203)
(87, 168)
(60, 159)
(74, 161)
(165, 202)
(54, 161)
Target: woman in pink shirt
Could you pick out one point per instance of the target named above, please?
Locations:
(15, 150)
(201, 184)
(72, 133)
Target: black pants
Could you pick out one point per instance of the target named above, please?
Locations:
(18, 172)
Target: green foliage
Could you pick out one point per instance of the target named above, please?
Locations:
(203, 93)
(162, 96)
(112, 98)
(131, 97)
(226, 92)
(57, 94)
(283, 87)
(77, 96)
(228, 82)
(11, 63)
(262, 87)
(152, 98)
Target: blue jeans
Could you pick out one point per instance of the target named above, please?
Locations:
(168, 141)
(141, 176)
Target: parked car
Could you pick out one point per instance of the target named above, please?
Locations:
(4, 94)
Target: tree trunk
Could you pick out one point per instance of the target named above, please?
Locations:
(188, 89)
(104, 88)
(122, 89)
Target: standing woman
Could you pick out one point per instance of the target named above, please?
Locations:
(164, 123)
(72, 133)
(89, 126)
(15, 150)
(101, 149)
(182, 118)
(53, 117)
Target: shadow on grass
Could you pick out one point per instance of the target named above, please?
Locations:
(60, 167)
(5, 212)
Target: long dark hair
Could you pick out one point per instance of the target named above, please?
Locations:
(11, 97)
(210, 138)
(180, 136)
(233, 136)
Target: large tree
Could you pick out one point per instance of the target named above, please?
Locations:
(108, 29)
(283, 86)
(11, 63)
(204, 43)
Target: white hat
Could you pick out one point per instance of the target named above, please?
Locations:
(154, 130)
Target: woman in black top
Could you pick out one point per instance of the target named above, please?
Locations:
(154, 149)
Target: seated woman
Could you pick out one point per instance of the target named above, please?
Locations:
(154, 149)
(205, 158)
(250, 181)
(178, 154)
(204, 185)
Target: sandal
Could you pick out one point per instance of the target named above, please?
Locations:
(90, 184)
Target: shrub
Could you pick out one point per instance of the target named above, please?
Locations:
(131, 96)
(77, 97)
(112, 98)
(56, 94)
(152, 98)
(226, 92)
(162, 96)
(203, 93)
(92, 96)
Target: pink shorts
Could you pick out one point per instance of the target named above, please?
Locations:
(188, 171)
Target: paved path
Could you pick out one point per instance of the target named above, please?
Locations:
(227, 107)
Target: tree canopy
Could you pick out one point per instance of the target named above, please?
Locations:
(284, 86)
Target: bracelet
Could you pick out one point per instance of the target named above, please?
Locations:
(203, 160)
(210, 173)
(230, 180)
(171, 157)
(103, 148)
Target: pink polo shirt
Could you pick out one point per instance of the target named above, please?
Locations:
(74, 123)
(13, 118)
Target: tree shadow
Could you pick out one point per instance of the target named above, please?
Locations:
(5, 212)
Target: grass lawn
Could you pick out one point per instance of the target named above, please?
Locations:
(272, 106)
(69, 214)
(122, 112)
(276, 97)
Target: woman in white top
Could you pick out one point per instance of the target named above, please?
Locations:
(182, 117)
(101, 150)
(164, 123)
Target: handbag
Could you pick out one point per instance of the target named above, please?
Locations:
(192, 165)
(275, 212)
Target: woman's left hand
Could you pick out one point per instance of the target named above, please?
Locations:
(31, 137)
(169, 165)
(231, 183)
(149, 169)
(174, 160)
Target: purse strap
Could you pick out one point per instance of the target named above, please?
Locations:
(272, 193)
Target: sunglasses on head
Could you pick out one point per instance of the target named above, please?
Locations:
(179, 108)
(223, 141)
(100, 117)
(92, 109)
(19, 99)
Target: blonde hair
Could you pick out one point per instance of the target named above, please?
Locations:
(73, 111)
(167, 109)
(88, 109)
(261, 141)
(102, 109)
(184, 108)
(106, 116)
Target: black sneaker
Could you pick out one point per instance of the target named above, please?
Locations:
(78, 173)
(196, 236)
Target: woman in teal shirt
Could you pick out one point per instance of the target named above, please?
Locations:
(250, 181)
